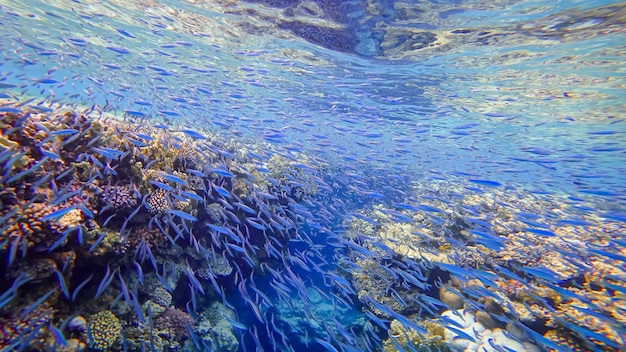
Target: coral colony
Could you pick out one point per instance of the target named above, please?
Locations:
(118, 236)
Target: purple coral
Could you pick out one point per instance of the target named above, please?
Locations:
(152, 237)
(119, 197)
(157, 202)
(175, 321)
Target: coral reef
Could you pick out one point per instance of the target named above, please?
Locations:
(215, 330)
(17, 325)
(139, 337)
(149, 232)
(402, 338)
(162, 297)
(467, 334)
(158, 202)
(119, 197)
(104, 330)
(175, 322)
(442, 235)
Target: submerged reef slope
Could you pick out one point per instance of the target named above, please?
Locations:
(133, 228)
(490, 269)
(116, 236)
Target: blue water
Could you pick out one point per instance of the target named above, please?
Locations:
(482, 109)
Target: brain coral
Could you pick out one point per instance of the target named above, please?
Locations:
(104, 329)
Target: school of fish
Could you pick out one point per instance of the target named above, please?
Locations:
(164, 190)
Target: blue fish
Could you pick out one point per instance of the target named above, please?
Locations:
(112, 66)
(125, 291)
(183, 215)
(222, 172)
(175, 179)
(136, 143)
(125, 33)
(105, 153)
(256, 225)
(45, 80)
(193, 134)
(225, 231)
(245, 208)
(192, 278)
(485, 182)
(540, 232)
(542, 273)
(64, 132)
(169, 113)
(11, 293)
(192, 195)
(106, 281)
(236, 324)
(161, 185)
(119, 49)
(80, 287)
(62, 283)
(59, 338)
(135, 113)
(144, 136)
(455, 270)
(604, 253)
(327, 345)
(222, 191)
(195, 173)
(56, 215)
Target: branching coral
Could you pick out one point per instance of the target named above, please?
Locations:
(215, 329)
(219, 265)
(374, 282)
(175, 322)
(138, 338)
(410, 339)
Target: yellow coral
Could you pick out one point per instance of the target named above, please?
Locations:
(72, 218)
(432, 341)
(104, 329)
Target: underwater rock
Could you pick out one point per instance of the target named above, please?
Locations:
(466, 334)
(450, 298)
(74, 345)
(486, 320)
(78, 324)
